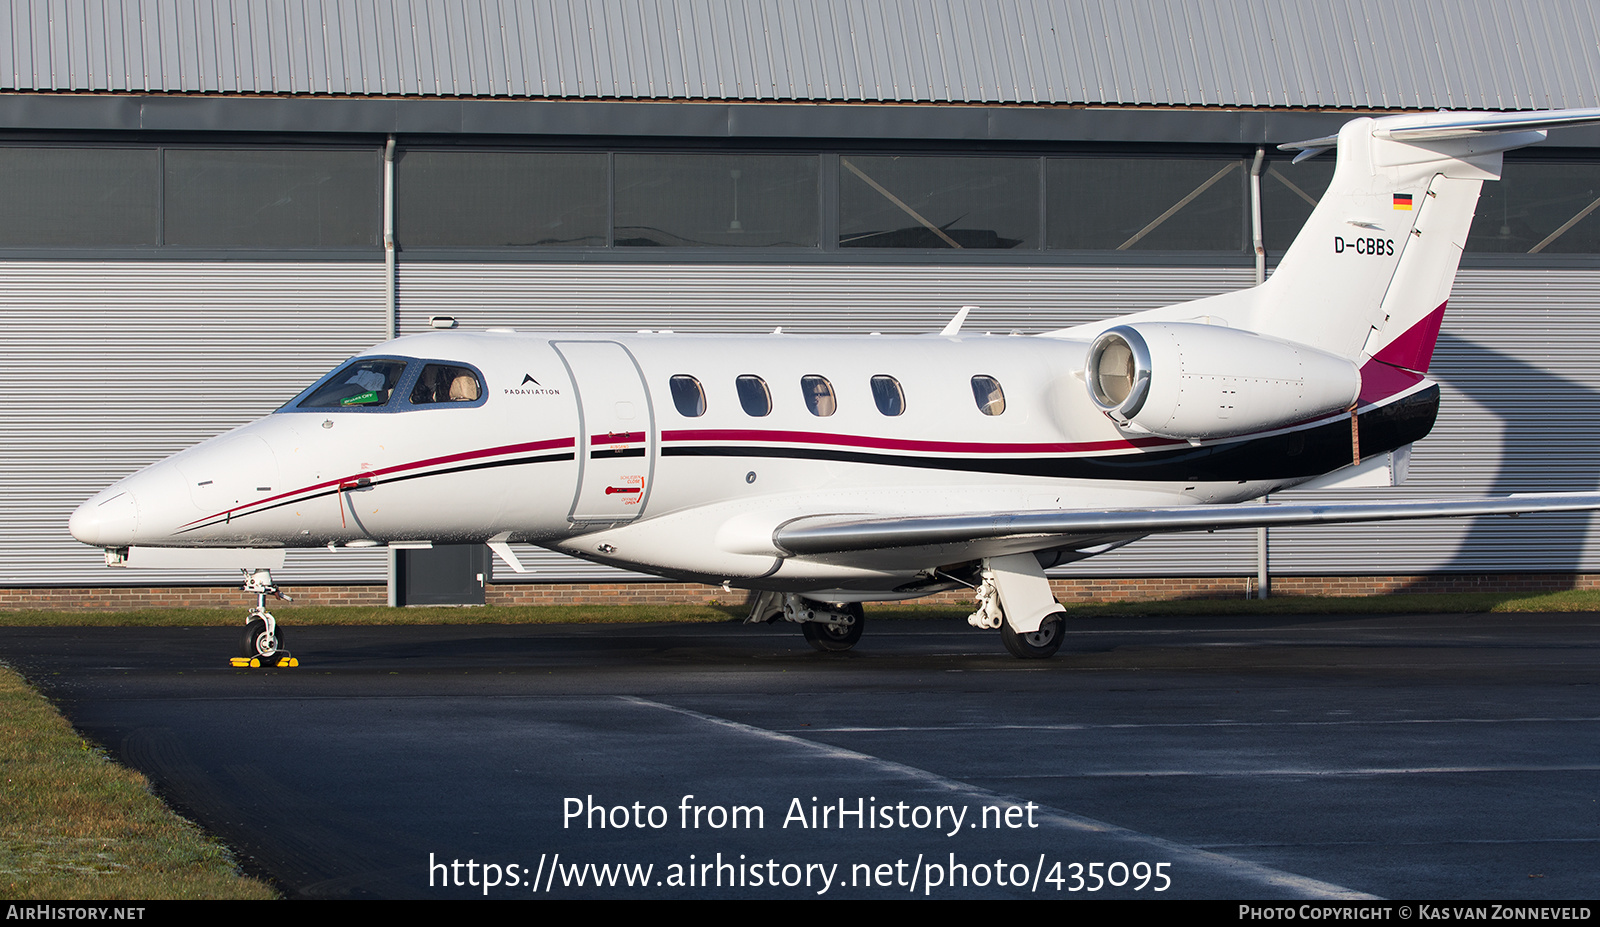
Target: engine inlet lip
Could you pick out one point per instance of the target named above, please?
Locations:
(1138, 391)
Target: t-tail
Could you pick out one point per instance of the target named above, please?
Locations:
(1350, 316)
(1368, 276)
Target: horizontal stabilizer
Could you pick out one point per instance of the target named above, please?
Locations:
(1416, 127)
(838, 534)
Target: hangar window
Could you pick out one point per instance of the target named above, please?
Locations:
(1147, 204)
(754, 396)
(499, 199)
(688, 396)
(272, 198)
(1539, 207)
(716, 200)
(79, 197)
(986, 391)
(819, 395)
(364, 383)
(887, 394)
(1288, 194)
(938, 202)
(443, 383)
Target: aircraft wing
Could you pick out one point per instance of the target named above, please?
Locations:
(988, 534)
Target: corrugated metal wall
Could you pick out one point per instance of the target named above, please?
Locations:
(1417, 54)
(1521, 413)
(111, 366)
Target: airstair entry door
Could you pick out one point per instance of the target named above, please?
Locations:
(616, 433)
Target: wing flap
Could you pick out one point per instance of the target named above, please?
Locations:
(833, 534)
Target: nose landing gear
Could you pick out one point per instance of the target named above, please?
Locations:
(262, 644)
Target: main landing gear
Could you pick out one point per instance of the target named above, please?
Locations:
(1039, 645)
(837, 627)
(262, 644)
(831, 627)
(1015, 597)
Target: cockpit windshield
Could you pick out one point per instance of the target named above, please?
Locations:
(365, 382)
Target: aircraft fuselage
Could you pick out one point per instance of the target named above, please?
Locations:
(680, 454)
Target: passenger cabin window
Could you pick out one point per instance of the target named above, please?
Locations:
(754, 395)
(688, 396)
(886, 392)
(819, 395)
(441, 383)
(986, 391)
(363, 383)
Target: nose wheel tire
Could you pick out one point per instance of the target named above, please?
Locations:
(830, 638)
(1040, 645)
(258, 643)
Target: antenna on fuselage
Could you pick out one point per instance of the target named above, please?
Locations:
(954, 325)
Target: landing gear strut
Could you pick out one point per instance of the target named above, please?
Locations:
(262, 644)
(1015, 597)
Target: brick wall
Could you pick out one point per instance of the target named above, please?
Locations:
(664, 593)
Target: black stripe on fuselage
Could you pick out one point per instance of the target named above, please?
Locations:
(625, 452)
(1289, 455)
(464, 468)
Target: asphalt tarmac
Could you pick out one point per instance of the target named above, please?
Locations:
(1402, 757)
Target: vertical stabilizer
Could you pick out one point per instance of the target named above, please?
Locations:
(1375, 262)
(1370, 272)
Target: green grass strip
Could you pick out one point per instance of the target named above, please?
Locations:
(76, 826)
(324, 615)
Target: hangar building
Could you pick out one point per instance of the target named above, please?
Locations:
(209, 203)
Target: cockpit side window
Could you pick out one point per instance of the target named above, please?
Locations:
(444, 383)
(364, 383)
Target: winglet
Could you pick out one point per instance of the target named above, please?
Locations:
(954, 325)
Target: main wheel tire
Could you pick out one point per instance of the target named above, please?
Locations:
(830, 638)
(258, 643)
(1039, 645)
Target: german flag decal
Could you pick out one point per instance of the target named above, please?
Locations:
(1402, 201)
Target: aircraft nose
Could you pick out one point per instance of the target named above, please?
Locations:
(108, 520)
(145, 508)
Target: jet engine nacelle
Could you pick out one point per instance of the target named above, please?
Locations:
(1193, 381)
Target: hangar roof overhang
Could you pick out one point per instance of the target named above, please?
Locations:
(578, 119)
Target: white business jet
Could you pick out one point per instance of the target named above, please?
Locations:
(825, 472)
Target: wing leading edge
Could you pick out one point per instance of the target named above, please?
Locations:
(834, 534)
